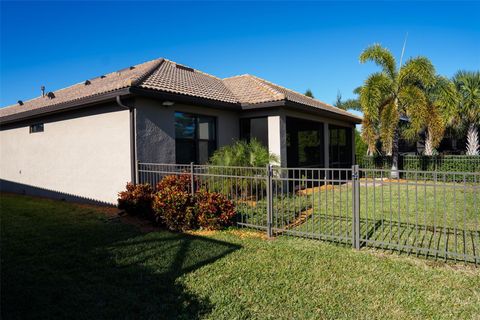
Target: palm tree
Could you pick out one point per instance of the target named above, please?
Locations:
(467, 84)
(349, 104)
(433, 116)
(391, 93)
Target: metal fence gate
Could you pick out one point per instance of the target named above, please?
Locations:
(423, 213)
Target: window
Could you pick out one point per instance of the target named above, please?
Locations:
(38, 127)
(304, 143)
(195, 137)
(340, 146)
(254, 128)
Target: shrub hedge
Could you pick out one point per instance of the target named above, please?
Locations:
(446, 163)
(172, 204)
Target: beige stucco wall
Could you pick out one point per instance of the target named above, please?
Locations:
(85, 154)
(155, 127)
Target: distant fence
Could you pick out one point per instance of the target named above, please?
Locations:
(421, 213)
(447, 163)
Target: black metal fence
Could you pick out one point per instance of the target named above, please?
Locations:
(422, 213)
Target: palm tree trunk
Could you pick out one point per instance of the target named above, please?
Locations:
(472, 140)
(394, 173)
(428, 145)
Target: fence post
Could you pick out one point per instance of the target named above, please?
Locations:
(136, 177)
(356, 207)
(192, 181)
(269, 201)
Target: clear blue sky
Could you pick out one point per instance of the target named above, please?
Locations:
(298, 45)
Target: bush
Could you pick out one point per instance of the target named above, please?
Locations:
(213, 210)
(174, 206)
(137, 200)
(243, 154)
(173, 203)
(440, 163)
(246, 159)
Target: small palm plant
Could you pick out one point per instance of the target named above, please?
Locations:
(242, 166)
(243, 154)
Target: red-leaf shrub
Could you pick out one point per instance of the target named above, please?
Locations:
(174, 206)
(180, 182)
(173, 203)
(213, 210)
(137, 200)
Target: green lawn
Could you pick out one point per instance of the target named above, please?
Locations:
(442, 219)
(60, 260)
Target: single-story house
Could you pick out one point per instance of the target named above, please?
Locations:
(84, 141)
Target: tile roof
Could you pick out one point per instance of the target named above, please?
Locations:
(103, 84)
(253, 90)
(175, 78)
(166, 76)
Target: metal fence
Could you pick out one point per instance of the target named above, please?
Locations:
(422, 213)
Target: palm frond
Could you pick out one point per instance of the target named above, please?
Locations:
(467, 84)
(382, 57)
(370, 134)
(374, 93)
(419, 71)
(389, 119)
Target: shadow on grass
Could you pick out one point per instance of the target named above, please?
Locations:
(428, 241)
(74, 267)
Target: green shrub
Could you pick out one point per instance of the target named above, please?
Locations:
(445, 163)
(360, 146)
(213, 210)
(137, 200)
(244, 160)
(243, 154)
(448, 163)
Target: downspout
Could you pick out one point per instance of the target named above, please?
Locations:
(133, 153)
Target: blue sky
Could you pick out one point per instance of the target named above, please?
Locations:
(299, 45)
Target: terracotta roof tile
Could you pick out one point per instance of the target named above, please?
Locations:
(249, 90)
(109, 82)
(167, 76)
(253, 90)
(172, 77)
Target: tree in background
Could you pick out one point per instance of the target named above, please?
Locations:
(391, 93)
(349, 104)
(309, 93)
(467, 85)
(360, 146)
(434, 115)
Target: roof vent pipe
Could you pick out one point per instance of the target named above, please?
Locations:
(43, 90)
(20, 102)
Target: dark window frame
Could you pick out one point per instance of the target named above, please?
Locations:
(37, 128)
(335, 151)
(296, 125)
(247, 136)
(196, 139)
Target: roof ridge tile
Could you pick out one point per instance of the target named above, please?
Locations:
(277, 94)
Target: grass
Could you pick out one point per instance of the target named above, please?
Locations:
(442, 219)
(61, 260)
